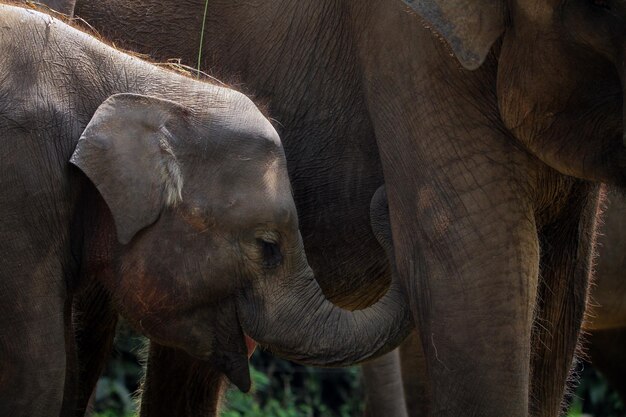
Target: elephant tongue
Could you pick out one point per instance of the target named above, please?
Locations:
(250, 344)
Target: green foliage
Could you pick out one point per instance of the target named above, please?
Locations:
(595, 397)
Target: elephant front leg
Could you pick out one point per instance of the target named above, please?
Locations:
(178, 385)
(567, 249)
(470, 260)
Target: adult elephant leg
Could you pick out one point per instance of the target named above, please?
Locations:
(94, 320)
(469, 253)
(567, 248)
(178, 385)
(470, 257)
(607, 354)
(384, 395)
(414, 377)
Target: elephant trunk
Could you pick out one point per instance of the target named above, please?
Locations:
(296, 321)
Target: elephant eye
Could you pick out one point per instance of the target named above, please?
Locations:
(272, 257)
(604, 4)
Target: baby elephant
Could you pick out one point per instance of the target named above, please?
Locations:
(170, 192)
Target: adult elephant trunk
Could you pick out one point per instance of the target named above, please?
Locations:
(295, 320)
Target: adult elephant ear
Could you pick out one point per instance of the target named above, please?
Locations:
(126, 151)
(469, 26)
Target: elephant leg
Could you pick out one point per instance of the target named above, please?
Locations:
(33, 357)
(567, 248)
(414, 377)
(94, 323)
(472, 282)
(607, 354)
(472, 277)
(178, 385)
(384, 395)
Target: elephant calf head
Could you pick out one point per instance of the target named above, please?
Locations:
(202, 206)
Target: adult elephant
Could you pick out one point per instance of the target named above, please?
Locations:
(492, 168)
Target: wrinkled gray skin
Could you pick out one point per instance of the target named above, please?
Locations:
(169, 195)
(492, 166)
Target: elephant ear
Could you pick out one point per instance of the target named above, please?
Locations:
(126, 152)
(469, 27)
